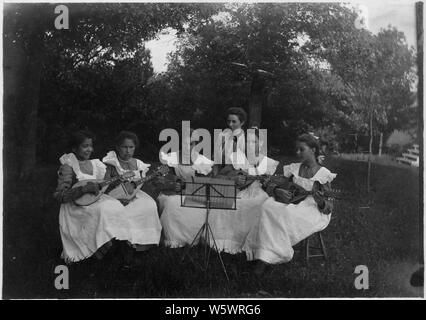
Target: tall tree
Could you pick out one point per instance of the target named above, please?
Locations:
(289, 41)
(95, 31)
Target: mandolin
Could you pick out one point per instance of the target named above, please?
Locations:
(298, 194)
(89, 198)
(121, 193)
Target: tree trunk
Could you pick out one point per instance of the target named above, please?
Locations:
(23, 66)
(256, 101)
(26, 104)
(13, 66)
(420, 88)
(381, 143)
(30, 112)
(356, 143)
(370, 153)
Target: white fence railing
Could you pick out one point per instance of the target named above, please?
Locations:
(411, 157)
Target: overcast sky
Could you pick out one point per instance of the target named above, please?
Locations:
(379, 14)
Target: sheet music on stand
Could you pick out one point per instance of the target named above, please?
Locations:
(208, 193)
(222, 193)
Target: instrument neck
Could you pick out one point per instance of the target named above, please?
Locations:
(143, 180)
(259, 178)
(107, 182)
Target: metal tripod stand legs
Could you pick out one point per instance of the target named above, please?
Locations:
(205, 233)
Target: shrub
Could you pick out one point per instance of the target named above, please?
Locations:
(398, 142)
(399, 138)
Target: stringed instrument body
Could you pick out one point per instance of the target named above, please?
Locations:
(298, 193)
(120, 192)
(90, 198)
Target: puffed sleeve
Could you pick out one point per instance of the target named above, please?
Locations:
(142, 166)
(324, 176)
(203, 165)
(66, 179)
(272, 166)
(101, 169)
(171, 159)
(289, 170)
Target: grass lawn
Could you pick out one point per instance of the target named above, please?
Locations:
(380, 231)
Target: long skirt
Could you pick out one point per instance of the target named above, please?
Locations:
(280, 227)
(85, 229)
(229, 227)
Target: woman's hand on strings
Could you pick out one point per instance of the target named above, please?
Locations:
(240, 180)
(178, 186)
(127, 176)
(269, 188)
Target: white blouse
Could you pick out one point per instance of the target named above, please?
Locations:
(112, 159)
(99, 169)
(323, 176)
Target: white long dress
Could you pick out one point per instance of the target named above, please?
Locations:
(281, 226)
(231, 227)
(84, 229)
(142, 211)
(181, 224)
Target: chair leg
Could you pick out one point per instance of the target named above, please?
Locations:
(321, 247)
(307, 254)
(324, 252)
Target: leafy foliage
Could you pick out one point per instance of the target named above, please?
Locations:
(313, 70)
(327, 73)
(93, 75)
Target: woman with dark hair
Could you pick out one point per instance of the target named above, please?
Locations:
(141, 211)
(86, 230)
(283, 224)
(231, 139)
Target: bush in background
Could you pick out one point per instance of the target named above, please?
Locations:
(397, 142)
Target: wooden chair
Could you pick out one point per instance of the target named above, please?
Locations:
(315, 250)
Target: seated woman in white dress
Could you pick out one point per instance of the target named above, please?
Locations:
(141, 211)
(86, 229)
(281, 225)
(231, 227)
(181, 224)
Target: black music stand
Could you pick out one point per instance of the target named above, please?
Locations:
(208, 193)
